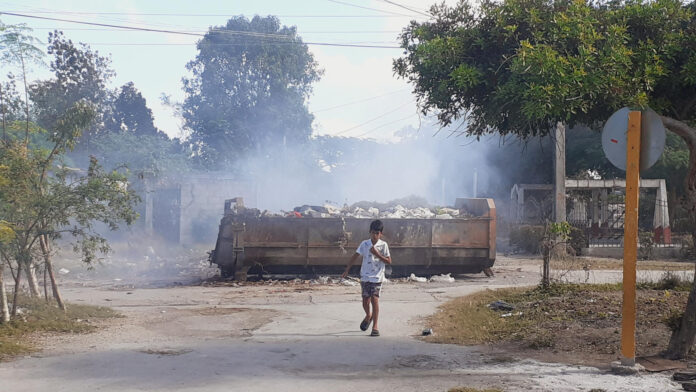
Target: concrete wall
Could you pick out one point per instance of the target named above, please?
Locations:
(202, 205)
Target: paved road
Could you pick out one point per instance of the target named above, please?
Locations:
(285, 337)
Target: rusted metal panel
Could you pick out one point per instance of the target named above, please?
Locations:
(427, 246)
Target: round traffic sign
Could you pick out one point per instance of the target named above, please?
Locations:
(652, 138)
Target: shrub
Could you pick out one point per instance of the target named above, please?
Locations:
(526, 238)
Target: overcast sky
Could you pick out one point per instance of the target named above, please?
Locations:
(357, 96)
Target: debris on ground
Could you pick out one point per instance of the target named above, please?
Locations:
(414, 278)
(501, 305)
(427, 332)
(442, 278)
(63, 271)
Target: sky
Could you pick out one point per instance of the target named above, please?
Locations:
(357, 96)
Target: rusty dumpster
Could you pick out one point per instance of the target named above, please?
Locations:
(251, 243)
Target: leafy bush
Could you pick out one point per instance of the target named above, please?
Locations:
(526, 238)
(578, 240)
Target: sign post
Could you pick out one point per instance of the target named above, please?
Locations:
(632, 141)
(630, 251)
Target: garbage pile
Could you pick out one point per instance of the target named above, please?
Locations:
(395, 212)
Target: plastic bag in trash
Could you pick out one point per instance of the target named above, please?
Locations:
(414, 278)
(442, 278)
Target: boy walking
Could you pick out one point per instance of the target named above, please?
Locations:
(375, 256)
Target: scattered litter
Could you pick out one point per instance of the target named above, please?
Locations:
(511, 314)
(414, 278)
(117, 279)
(63, 271)
(501, 305)
(347, 282)
(323, 279)
(442, 278)
(427, 332)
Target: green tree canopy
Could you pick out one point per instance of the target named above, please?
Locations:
(248, 88)
(129, 113)
(521, 66)
(80, 74)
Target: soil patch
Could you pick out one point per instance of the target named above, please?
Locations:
(576, 324)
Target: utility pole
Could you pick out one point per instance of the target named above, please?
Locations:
(559, 190)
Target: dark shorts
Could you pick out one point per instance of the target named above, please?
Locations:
(370, 289)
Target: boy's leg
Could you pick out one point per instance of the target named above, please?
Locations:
(375, 311)
(366, 307)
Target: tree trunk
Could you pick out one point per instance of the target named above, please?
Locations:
(26, 101)
(5, 318)
(546, 268)
(682, 338)
(45, 284)
(46, 250)
(17, 280)
(33, 282)
(4, 115)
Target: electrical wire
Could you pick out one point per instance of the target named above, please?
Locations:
(358, 101)
(366, 8)
(242, 33)
(384, 125)
(395, 15)
(371, 120)
(406, 8)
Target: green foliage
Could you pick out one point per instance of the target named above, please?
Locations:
(578, 240)
(37, 204)
(80, 75)
(524, 65)
(248, 91)
(18, 47)
(155, 154)
(526, 237)
(129, 113)
(559, 230)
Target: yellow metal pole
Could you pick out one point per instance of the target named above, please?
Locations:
(628, 317)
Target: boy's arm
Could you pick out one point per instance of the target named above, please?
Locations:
(350, 264)
(385, 259)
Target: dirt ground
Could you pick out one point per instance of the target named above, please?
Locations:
(181, 333)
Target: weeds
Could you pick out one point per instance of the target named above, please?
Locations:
(39, 316)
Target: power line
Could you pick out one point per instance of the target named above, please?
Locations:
(371, 120)
(244, 33)
(366, 8)
(358, 101)
(406, 8)
(384, 125)
(205, 31)
(395, 15)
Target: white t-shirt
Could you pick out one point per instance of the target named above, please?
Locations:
(372, 269)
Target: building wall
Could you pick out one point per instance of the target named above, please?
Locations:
(202, 205)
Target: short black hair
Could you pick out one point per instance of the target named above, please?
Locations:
(376, 225)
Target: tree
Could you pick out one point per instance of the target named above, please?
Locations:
(521, 66)
(80, 74)
(129, 113)
(18, 47)
(156, 154)
(44, 200)
(249, 85)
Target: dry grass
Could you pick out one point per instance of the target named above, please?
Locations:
(569, 318)
(38, 316)
(580, 263)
